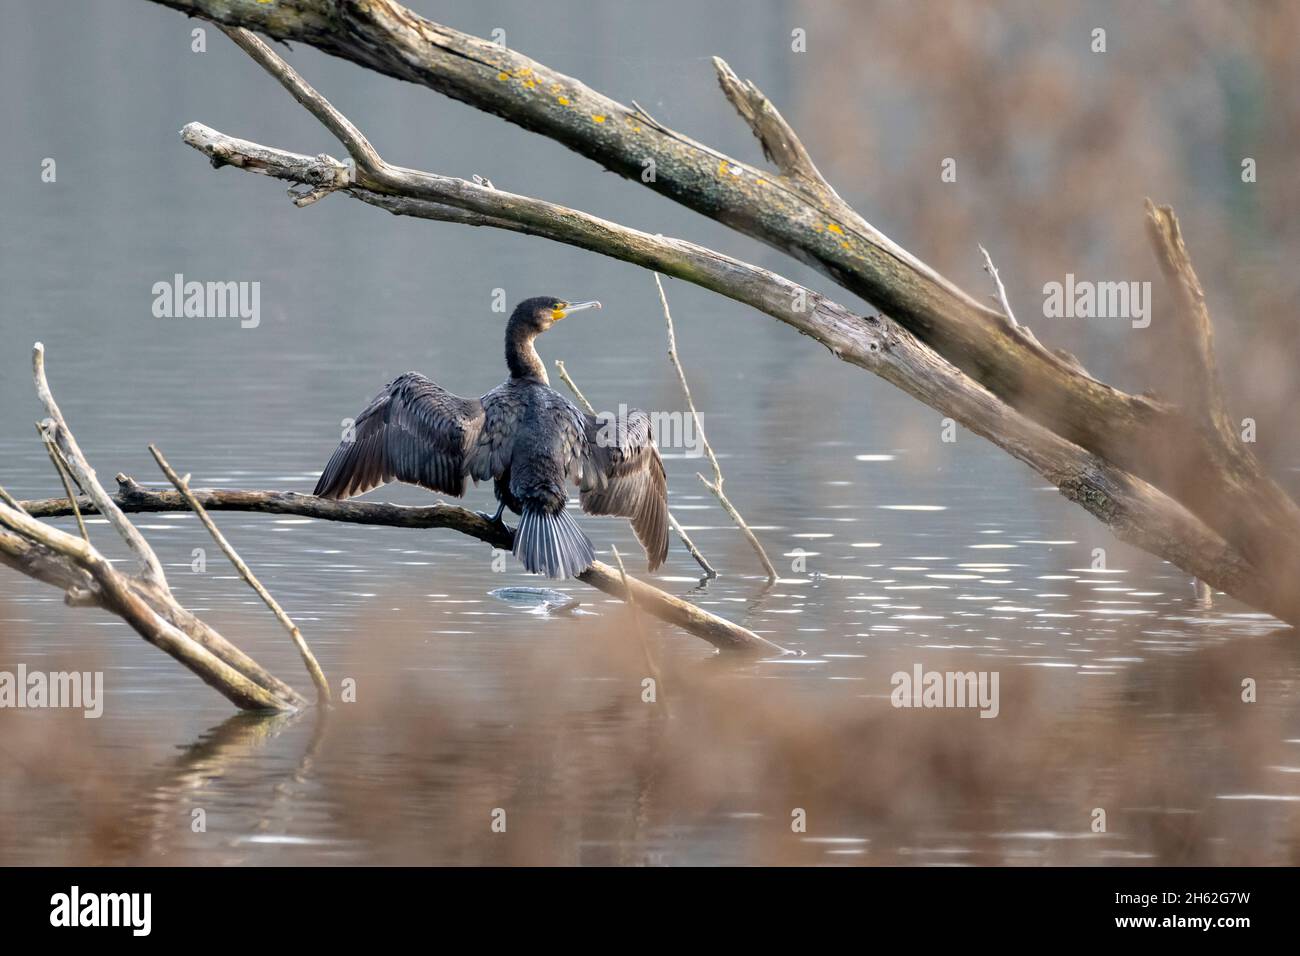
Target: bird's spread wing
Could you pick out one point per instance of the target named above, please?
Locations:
(494, 444)
(414, 431)
(623, 475)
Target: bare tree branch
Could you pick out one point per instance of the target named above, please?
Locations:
(778, 139)
(132, 498)
(151, 567)
(308, 658)
(115, 593)
(1195, 331)
(144, 601)
(714, 486)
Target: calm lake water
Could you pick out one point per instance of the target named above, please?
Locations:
(1117, 693)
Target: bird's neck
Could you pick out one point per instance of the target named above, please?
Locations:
(522, 358)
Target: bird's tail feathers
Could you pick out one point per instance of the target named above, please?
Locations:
(552, 544)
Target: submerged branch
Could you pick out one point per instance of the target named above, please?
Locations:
(133, 498)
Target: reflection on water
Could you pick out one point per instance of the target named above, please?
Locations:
(1116, 692)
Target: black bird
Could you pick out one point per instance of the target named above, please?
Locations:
(528, 438)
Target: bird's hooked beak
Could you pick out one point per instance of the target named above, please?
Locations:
(566, 307)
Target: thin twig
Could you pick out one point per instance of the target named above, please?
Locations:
(573, 387)
(709, 572)
(56, 458)
(676, 525)
(313, 669)
(1001, 289)
(716, 485)
(308, 659)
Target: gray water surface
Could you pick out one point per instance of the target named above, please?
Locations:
(895, 548)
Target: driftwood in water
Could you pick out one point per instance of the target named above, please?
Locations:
(1173, 480)
(142, 599)
(145, 601)
(133, 498)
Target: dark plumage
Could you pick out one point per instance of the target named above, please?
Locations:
(528, 438)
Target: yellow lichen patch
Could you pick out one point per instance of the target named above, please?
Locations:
(834, 228)
(503, 76)
(722, 167)
(562, 100)
(597, 118)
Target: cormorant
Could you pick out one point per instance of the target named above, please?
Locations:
(524, 435)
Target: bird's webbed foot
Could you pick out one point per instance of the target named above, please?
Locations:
(495, 519)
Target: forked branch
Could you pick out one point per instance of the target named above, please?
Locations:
(134, 498)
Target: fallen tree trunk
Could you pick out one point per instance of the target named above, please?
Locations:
(134, 498)
(1208, 471)
(1135, 510)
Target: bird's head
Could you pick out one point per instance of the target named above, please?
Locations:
(541, 312)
